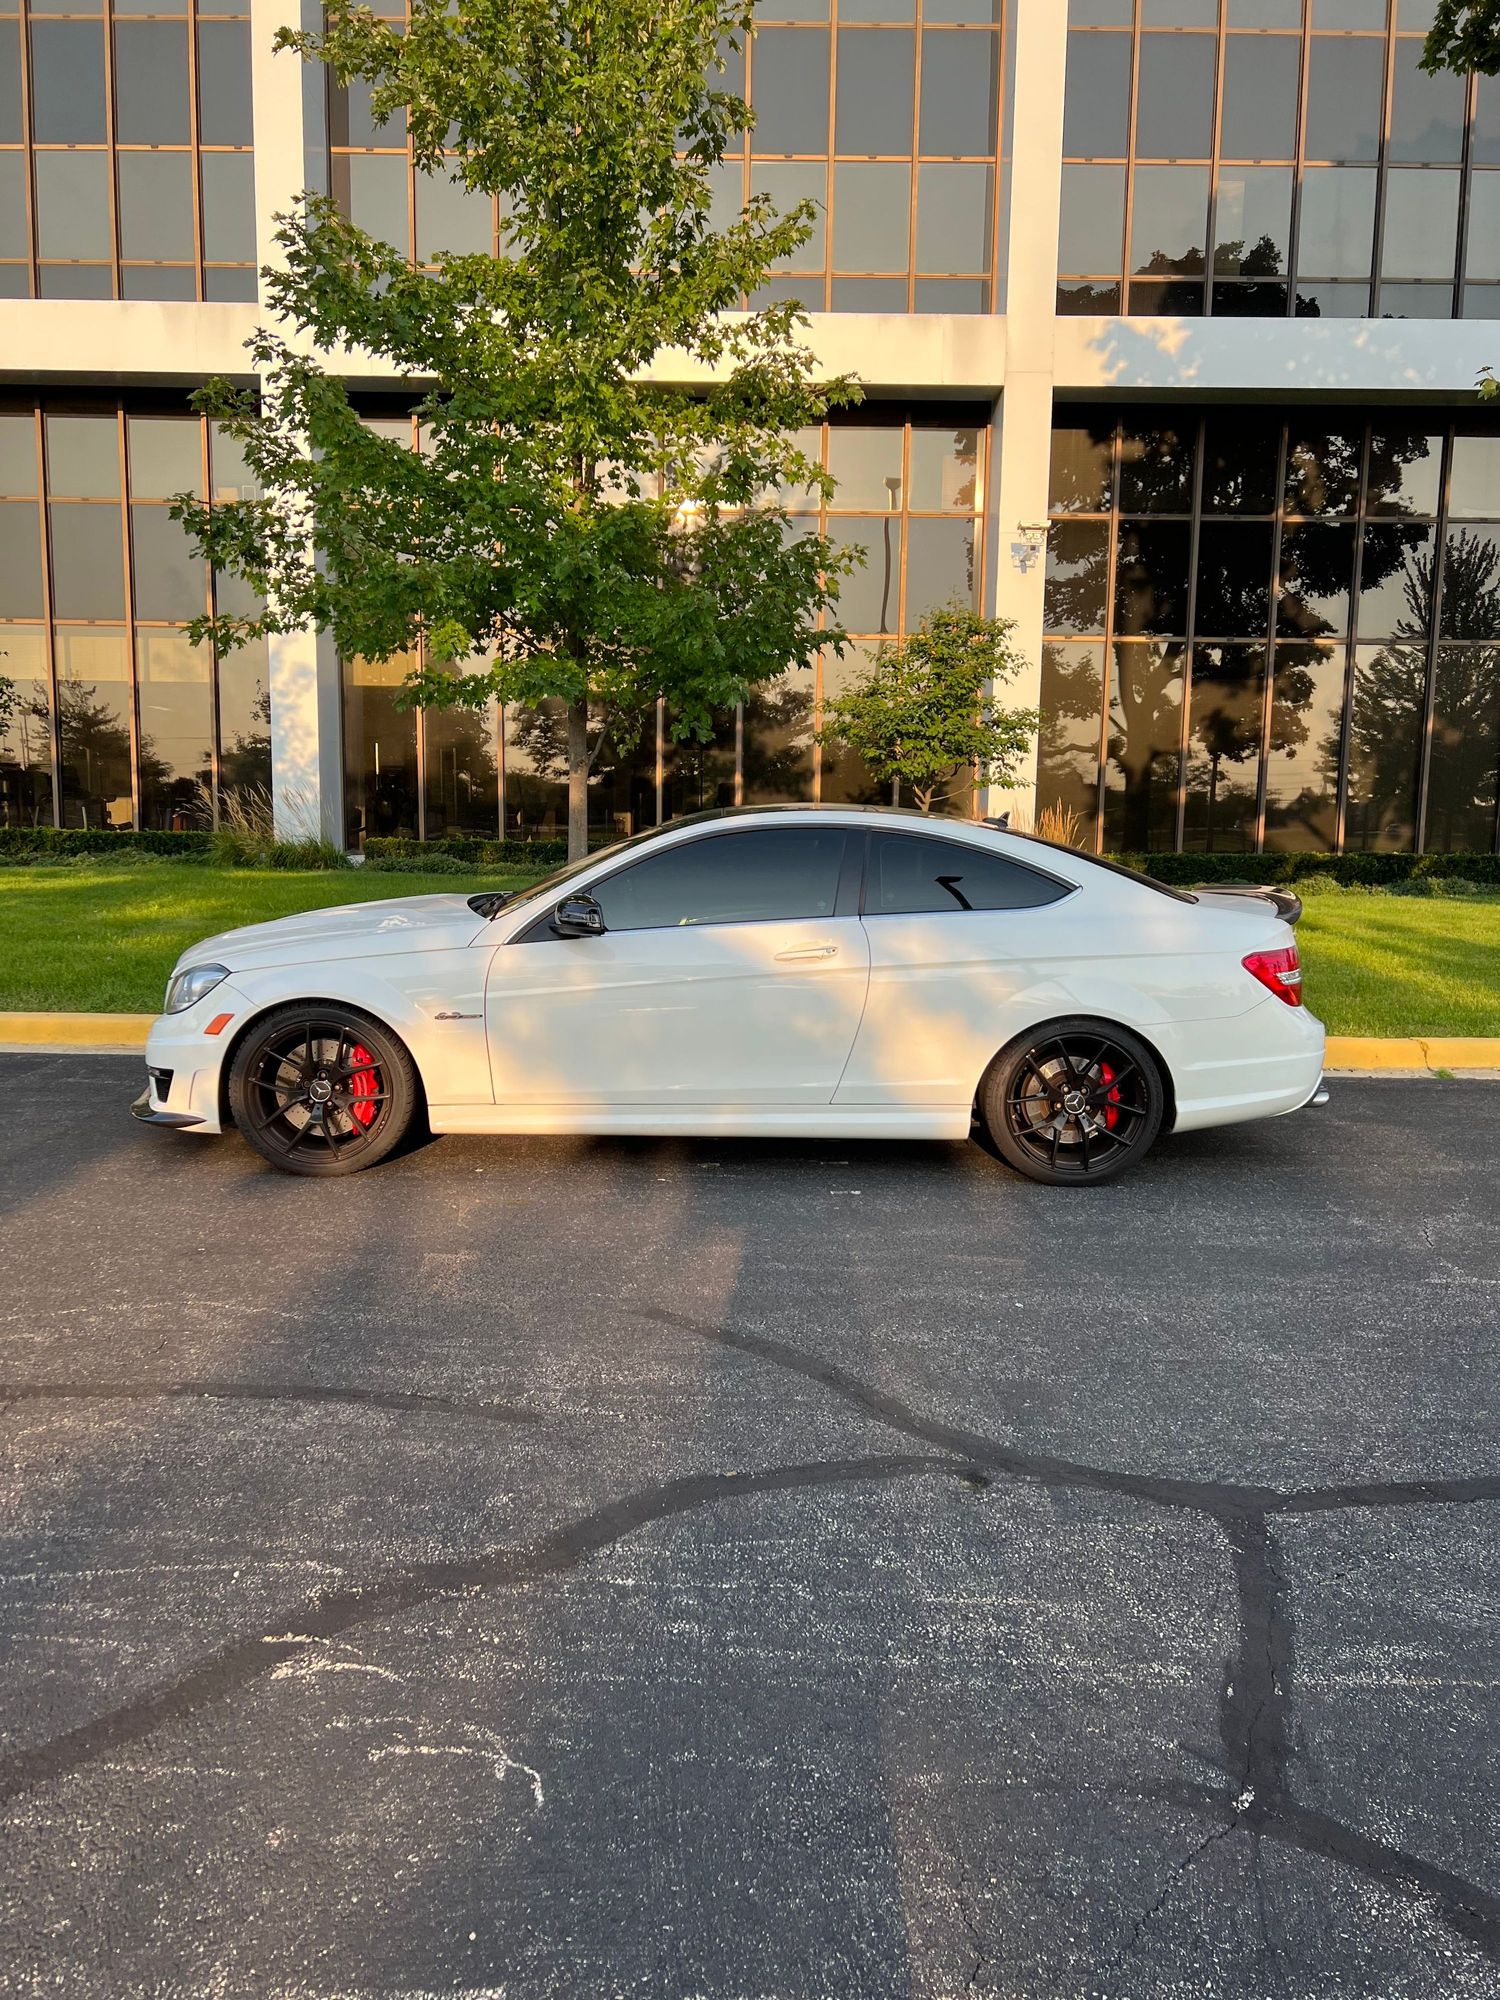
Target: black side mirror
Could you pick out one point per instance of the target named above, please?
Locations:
(578, 916)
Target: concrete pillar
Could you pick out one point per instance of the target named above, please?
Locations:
(291, 154)
(1022, 451)
(307, 770)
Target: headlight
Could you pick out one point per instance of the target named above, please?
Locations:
(185, 989)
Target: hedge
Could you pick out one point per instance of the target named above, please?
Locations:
(476, 852)
(1373, 871)
(48, 843)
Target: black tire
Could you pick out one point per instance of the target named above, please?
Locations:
(1074, 1103)
(322, 1089)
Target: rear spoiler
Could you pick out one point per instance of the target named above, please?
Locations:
(1286, 903)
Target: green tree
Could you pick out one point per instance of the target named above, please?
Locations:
(570, 529)
(1464, 36)
(924, 714)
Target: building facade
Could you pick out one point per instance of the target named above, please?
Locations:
(1169, 315)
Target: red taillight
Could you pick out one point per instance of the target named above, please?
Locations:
(1280, 972)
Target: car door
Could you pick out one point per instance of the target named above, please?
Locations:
(732, 970)
(962, 942)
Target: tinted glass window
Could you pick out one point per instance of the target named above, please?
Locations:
(912, 875)
(1175, 99)
(1096, 115)
(765, 876)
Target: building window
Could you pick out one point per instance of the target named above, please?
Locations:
(118, 721)
(1273, 159)
(1272, 631)
(910, 496)
(889, 120)
(125, 162)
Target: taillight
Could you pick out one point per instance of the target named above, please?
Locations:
(1280, 972)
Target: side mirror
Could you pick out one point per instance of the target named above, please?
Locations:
(578, 916)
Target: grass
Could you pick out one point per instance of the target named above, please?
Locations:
(104, 939)
(1397, 965)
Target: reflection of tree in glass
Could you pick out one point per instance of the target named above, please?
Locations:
(1145, 712)
(96, 750)
(541, 734)
(25, 757)
(247, 760)
(778, 737)
(460, 755)
(1071, 695)
(1323, 469)
(1390, 689)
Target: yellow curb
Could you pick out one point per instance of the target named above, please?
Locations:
(76, 1031)
(1424, 1052)
(128, 1031)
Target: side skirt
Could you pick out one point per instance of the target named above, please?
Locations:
(704, 1121)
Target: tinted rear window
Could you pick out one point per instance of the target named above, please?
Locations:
(917, 875)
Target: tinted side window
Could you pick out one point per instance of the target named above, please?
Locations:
(911, 875)
(729, 878)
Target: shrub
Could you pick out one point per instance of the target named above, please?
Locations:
(420, 864)
(473, 850)
(1348, 870)
(235, 847)
(22, 845)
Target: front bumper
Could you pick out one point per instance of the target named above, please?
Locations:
(184, 1063)
(148, 1114)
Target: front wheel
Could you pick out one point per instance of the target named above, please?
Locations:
(322, 1090)
(1074, 1103)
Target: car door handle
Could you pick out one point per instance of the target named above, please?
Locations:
(806, 951)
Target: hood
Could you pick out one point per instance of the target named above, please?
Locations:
(355, 930)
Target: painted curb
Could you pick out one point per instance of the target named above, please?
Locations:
(75, 1031)
(1345, 1052)
(1424, 1052)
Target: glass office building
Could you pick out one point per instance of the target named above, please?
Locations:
(1169, 315)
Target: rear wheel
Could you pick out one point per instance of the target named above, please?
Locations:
(322, 1090)
(1073, 1104)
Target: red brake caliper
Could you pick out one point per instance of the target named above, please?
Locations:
(1111, 1115)
(365, 1082)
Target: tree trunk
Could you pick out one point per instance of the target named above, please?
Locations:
(578, 780)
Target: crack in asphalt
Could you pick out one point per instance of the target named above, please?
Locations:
(323, 1617)
(261, 1392)
(1255, 1706)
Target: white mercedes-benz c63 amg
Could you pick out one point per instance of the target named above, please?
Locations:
(811, 972)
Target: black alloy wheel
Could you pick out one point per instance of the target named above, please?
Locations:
(322, 1090)
(1074, 1103)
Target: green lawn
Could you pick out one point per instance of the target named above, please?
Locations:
(104, 939)
(1397, 965)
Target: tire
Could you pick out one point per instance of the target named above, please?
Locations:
(1074, 1103)
(287, 1062)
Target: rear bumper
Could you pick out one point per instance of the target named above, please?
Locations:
(1272, 1064)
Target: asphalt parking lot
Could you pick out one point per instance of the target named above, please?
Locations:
(750, 1572)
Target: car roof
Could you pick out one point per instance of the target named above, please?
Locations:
(906, 813)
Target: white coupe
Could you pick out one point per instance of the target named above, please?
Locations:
(785, 972)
